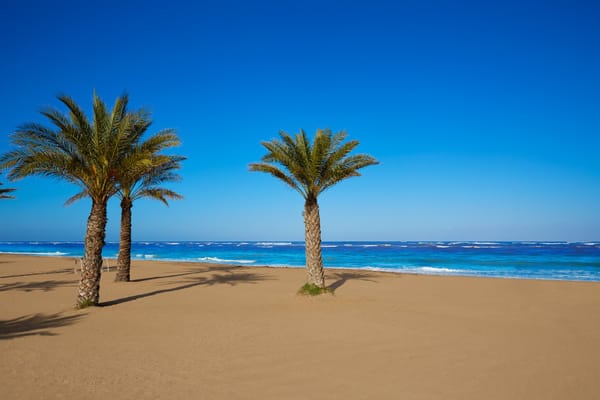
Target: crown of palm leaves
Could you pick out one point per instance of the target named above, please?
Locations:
(312, 168)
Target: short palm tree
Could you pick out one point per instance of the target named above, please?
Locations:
(141, 178)
(312, 168)
(86, 153)
(4, 195)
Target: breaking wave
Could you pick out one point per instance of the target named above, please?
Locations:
(221, 260)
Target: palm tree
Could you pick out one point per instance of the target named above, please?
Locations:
(141, 178)
(311, 169)
(4, 195)
(86, 153)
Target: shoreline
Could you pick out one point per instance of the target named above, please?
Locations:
(407, 271)
(182, 330)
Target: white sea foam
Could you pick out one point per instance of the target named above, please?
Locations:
(274, 243)
(439, 246)
(221, 260)
(328, 246)
(141, 255)
(347, 245)
(486, 243)
(35, 253)
(369, 245)
(173, 243)
(417, 270)
(434, 270)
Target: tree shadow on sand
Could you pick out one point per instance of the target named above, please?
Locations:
(58, 271)
(45, 286)
(224, 268)
(37, 324)
(230, 279)
(343, 277)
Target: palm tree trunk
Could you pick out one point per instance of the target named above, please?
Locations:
(89, 285)
(124, 260)
(312, 237)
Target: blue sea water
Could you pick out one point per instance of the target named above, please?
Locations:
(531, 260)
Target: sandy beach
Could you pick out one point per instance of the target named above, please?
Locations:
(202, 331)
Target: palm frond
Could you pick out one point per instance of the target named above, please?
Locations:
(77, 117)
(279, 174)
(3, 193)
(311, 168)
(79, 196)
(347, 168)
(101, 157)
(160, 194)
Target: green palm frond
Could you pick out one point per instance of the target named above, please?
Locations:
(160, 194)
(74, 149)
(311, 168)
(279, 174)
(79, 196)
(147, 181)
(3, 193)
(145, 167)
(101, 156)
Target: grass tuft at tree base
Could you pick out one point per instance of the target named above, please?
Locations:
(310, 289)
(84, 304)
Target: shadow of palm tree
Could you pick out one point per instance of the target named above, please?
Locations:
(343, 277)
(224, 268)
(58, 271)
(45, 286)
(231, 279)
(152, 278)
(37, 324)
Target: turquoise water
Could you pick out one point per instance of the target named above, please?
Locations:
(531, 260)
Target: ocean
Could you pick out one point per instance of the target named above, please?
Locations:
(526, 260)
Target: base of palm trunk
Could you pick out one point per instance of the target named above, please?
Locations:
(310, 289)
(122, 276)
(315, 276)
(81, 304)
(88, 298)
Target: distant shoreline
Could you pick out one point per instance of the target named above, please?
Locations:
(578, 261)
(112, 266)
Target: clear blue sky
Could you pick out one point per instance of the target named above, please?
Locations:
(485, 115)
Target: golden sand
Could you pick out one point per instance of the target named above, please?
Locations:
(201, 331)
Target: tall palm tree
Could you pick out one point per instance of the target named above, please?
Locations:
(4, 195)
(311, 169)
(141, 170)
(86, 153)
(142, 177)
